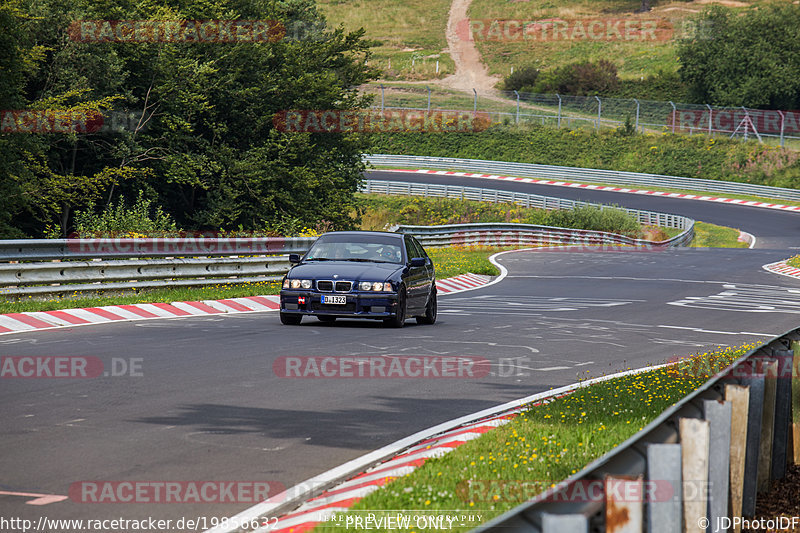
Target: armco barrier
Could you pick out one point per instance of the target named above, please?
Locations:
(527, 234)
(408, 188)
(118, 264)
(586, 175)
(718, 449)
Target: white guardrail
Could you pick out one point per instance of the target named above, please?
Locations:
(36, 267)
(584, 175)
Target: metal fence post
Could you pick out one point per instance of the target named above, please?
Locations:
(382, 97)
(475, 101)
(429, 97)
(636, 127)
(710, 113)
(783, 122)
(599, 111)
(517, 95)
(559, 109)
(674, 117)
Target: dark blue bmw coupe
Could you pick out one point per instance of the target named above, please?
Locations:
(361, 274)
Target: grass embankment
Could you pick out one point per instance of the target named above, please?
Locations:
(545, 444)
(407, 32)
(794, 261)
(695, 156)
(713, 236)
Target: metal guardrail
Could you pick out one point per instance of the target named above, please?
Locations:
(586, 175)
(407, 188)
(499, 234)
(118, 264)
(717, 448)
(66, 249)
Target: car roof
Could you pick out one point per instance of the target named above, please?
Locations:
(381, 233)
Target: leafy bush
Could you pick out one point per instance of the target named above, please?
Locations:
(427, 211)
(581, 79)
(748, 59)
(142, 218)
(522, 78)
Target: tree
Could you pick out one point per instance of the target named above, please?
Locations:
(752, 59)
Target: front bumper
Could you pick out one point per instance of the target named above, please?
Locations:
(359, 304)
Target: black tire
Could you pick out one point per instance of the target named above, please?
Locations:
(290, 319)
(328, 319)
(430, 310)
(399, 319)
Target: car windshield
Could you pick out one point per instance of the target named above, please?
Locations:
(367, 248)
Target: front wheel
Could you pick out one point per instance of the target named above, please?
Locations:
(430, 310)
(399, 319)
(290, 319)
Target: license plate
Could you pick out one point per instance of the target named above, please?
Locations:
(334, 299)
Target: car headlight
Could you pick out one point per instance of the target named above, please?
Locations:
(374, 286)
(297, 284)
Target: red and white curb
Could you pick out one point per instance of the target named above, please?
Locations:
(400, 459)
(783, 269)
(574, 185)
(34, 321)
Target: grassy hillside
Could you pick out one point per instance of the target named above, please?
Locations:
(416, 29)
(407, 29)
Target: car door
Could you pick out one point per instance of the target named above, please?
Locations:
(415, 282)
(430, 273)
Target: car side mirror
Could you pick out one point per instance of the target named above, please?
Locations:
(418, 262)
(294, 258)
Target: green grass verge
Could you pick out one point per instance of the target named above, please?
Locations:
(794, 261)
(545, 444)
(713, 236)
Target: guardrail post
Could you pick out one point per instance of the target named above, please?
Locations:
(719, 416)
(783, 412)
(664, 466)
(738, 397)
(767, 426)
(559, 523)
(754, 414)
(624, 515)
(796, 403)
(694, 435)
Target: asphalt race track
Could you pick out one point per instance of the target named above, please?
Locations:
(205, 403)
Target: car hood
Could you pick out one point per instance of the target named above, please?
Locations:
(346, 270)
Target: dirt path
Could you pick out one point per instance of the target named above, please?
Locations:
(470, 70)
